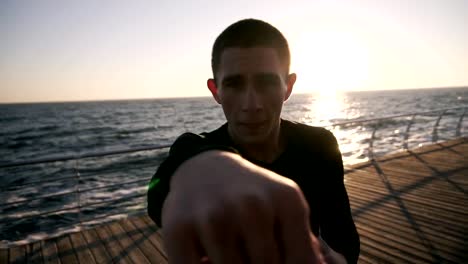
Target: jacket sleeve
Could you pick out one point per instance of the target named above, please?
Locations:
(337, 227)
(186, 146)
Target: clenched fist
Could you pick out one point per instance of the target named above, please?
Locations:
(223, 209)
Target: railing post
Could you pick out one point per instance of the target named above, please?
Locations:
(77, 189)
(457, 130)
(435, 137)
(371, 143)
(405, 141)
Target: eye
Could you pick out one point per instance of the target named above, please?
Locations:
(267, 83)
(235, 84)
(232, 83)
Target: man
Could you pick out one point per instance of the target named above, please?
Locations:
(259, 189)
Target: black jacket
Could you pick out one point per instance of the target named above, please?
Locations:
(311, 159)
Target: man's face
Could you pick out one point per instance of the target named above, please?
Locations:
(251, 85)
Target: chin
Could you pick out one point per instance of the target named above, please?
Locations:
(253, 138)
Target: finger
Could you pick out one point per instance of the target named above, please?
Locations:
(317, 248)
(259, 238)
(205, 260)
(324, 248)
(182, 245)
(219, 239)
(298, 245)
(261, 247)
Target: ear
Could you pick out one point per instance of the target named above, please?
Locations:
(211, 83)
(290, 83)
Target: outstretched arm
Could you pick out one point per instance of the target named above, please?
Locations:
(222, 206)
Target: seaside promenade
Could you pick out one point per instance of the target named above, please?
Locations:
(409, 207)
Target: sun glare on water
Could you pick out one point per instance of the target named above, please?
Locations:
(329, 63)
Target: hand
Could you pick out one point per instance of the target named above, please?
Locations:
(232, 211)
(330, 256)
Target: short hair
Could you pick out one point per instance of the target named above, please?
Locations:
(250, 33)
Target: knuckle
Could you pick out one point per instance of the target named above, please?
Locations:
(212, 215)
(292, 191)
(292, 200)
(252, 201)
(255, 208)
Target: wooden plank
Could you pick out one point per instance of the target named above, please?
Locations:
(34, 252)
(128, 245)
(395, 214)
(399, 172)
(50, 251)
(434, 189)
(366, 258)
(461, 148)
(373, 175)
(422, 165)
(418, 208)
(395, 250)
(412, 248)
(410, 236)
(4, 255)
(65, 250)
(378, 252)
(441, 158)
(406, 237)
(459, 178)
(410, 163)
(152, 234)
(94, 243)
(431, 250)
(81, 248)
(427, 189)
(444, 186)
(113, 247)
(148, 249)
(147, 220)
(18, 254)
(398, 223)
(442, 161)
(441, 206)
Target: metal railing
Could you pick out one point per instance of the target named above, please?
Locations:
(138, 198)
(435, 137)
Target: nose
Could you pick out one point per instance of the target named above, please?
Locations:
(252, 101)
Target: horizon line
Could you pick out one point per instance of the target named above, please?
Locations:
(205, 96)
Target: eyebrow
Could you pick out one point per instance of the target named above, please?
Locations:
(257, 77)
(266, 76)
(229, 78)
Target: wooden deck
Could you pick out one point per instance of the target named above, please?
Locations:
(409, 207)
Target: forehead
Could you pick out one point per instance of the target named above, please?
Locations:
(245, 61)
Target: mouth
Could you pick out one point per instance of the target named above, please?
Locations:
(253, 125)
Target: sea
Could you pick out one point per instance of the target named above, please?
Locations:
(45, 199)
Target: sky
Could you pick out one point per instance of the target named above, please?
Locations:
(56, 50)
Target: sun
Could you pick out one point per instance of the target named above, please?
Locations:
(329, 61)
